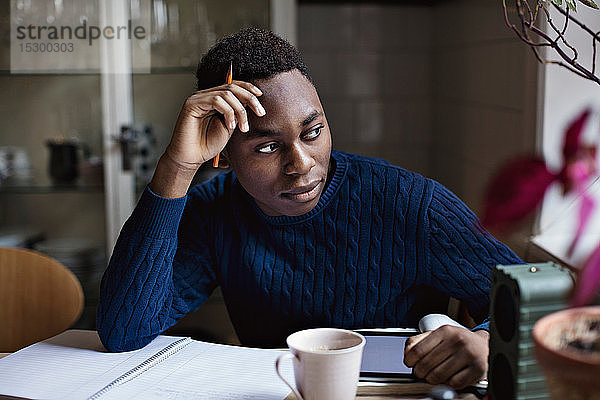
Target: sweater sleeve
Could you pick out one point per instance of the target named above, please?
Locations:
(147, 286)
(461, 253)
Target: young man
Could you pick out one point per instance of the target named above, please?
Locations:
(298, 235)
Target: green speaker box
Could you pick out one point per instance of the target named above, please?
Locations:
(519, 296)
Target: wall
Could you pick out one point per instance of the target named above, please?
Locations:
(372, 68)
(485, 84)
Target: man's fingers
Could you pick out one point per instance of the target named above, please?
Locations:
(441, 370)
(237, 95)
(222, 106)
(238, 108)
(440, 355)
(246, 96)
(249, 87)
(417, 347)
(413, 340)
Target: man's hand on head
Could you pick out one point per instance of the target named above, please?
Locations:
(450, 355)
(206, 121)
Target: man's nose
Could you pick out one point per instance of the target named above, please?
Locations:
(300, 161)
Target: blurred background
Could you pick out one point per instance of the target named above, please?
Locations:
(442, 87)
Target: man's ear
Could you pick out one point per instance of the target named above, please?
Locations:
(224, 159)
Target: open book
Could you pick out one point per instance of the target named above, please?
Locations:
(75, 365)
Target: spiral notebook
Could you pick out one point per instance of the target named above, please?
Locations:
(75, 365)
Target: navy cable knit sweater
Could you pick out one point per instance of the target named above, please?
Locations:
(378, 234)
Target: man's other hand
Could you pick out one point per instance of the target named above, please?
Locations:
(449, 355)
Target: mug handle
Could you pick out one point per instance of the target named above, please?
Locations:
(277, 362)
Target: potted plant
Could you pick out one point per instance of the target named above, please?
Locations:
(567, 347)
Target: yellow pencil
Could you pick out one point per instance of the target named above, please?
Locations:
(228, 80)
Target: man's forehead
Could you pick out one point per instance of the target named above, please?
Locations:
(285, 86)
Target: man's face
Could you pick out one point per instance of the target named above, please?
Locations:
(283, 160)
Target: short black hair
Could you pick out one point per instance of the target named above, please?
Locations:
(255, 54)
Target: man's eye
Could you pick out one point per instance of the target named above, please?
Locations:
(269, 148)
(313, 134)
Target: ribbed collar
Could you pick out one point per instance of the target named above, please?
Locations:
(339, 175)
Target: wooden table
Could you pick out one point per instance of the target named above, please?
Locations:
(395, 391)
(399, 391)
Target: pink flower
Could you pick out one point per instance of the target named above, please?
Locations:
(520, 186)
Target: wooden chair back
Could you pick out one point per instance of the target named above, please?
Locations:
(39, 298)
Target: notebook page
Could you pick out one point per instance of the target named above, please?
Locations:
(211, 371)
(58, 367)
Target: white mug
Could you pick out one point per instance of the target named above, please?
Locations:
(326, 363)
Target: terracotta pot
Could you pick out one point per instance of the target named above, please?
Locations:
(571, 374)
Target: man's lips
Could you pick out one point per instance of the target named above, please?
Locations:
(303, 193)
(302, 189)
